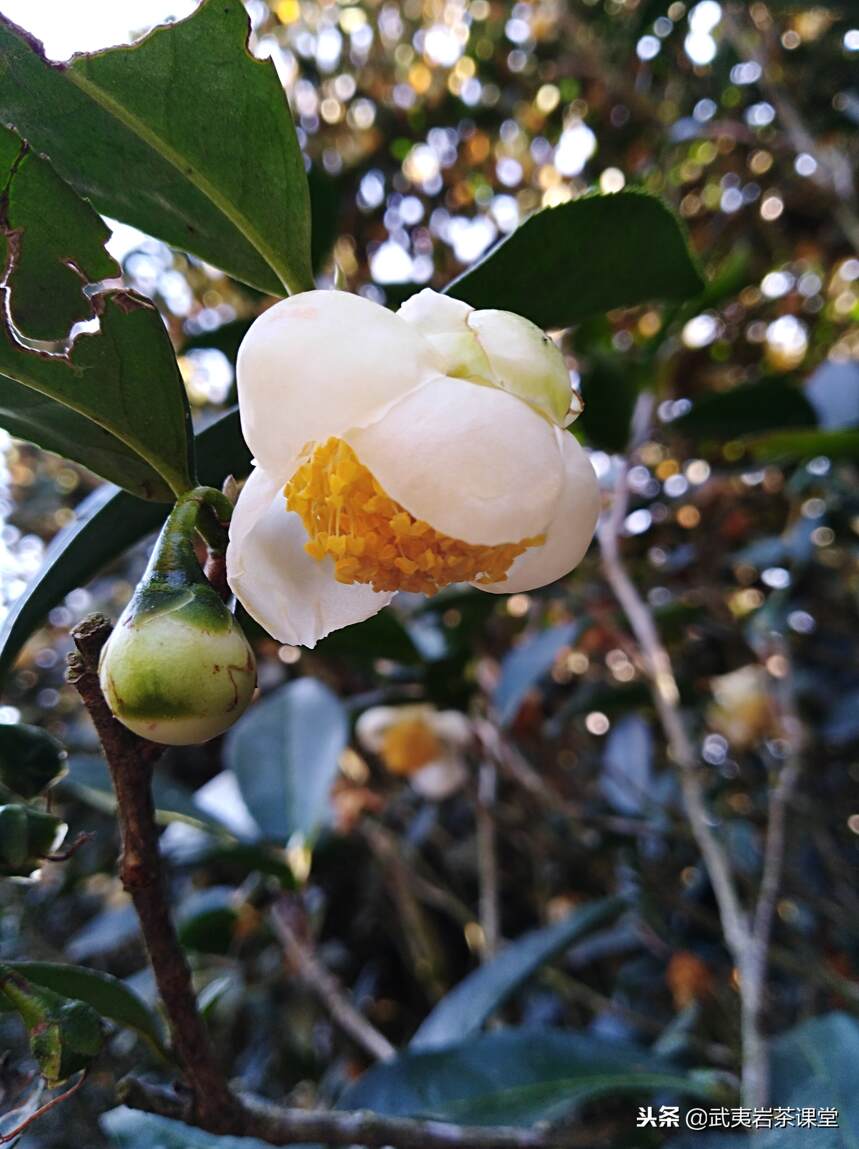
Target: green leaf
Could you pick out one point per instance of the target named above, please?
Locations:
(514, 1077)
(56, 241)
(131, 1129)
(794, 446)
(38, 419)
(584, 257)
(109, 996)
(745, 410)
(471, 1003)
(108, 522)
(813, 1066)
(115, 400)
(184, 135)
(30, 759)
(609, 391)
(285, 753)
(526, 664)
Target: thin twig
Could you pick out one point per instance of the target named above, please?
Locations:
(130, 760)
(666, 700)
(487, 862)
(279, 1126)
(780, 796)
(327, 989)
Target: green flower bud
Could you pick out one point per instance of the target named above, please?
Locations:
(65, 1034)
(27, 837)
(177, 668)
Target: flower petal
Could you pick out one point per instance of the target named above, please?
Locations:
(320, 362)
(475, 463)
(524, 361)
(569, 533)
(443, 321)
(439, 780)
(295, 598)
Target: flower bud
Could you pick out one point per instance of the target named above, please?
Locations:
(177, 669)
(498, 348)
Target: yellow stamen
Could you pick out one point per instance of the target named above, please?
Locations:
(408, 745)
(372, 539)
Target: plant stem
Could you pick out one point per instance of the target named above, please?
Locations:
(130, 760)
(279, 1126)
(327, 989)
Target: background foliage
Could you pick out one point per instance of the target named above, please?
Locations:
(430, 131)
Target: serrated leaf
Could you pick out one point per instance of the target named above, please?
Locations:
(285, 753)
(55, 242)
(107, 995)
(183, 135)
(115, 400)
(107, 524)
(470, 1004)
(514, 1077)
(526, 664)
(585, 257)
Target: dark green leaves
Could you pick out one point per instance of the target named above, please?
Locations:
(30, 759)
(285, 753)
(183, 135)
(115, 401)
(515, 1077)
(109, 996)
(109, 522)
(57, 242)
(465, 1009)
(748, 409)
(590, 255)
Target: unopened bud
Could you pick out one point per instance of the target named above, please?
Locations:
(177, 669)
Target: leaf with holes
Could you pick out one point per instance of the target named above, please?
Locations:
(584, 257)
(115, 400)
(184, 135)
(53, 240)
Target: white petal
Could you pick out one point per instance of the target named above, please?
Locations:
(438, 780)
(524, 360)
(570, 530)
(372, 725)
(295, 598)
(320, 362)
(453, 727)
(472, 461)
(443, 321)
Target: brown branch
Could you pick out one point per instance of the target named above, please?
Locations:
(327, 989)
(278, 1126)
(130, 760)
